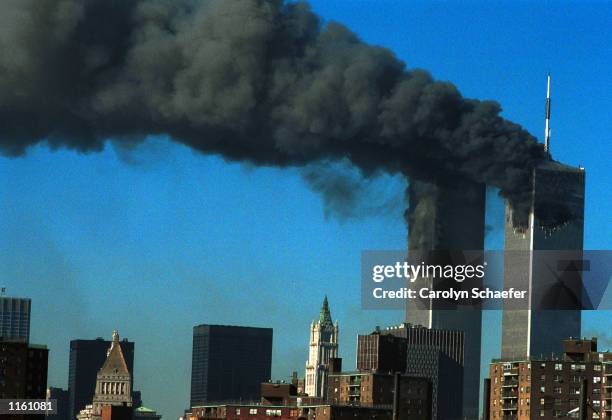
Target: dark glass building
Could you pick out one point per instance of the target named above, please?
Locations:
(86, 359)
(15, 319)
(229, 363)
(446, 377)
(378, 353)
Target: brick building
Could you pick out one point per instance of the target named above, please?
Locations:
(307, 412)
(377, 390)
(23, 370)
(539, 388)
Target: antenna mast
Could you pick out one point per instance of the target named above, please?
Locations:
(547, 123)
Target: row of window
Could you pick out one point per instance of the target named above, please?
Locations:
(272, 412)
(558, 366)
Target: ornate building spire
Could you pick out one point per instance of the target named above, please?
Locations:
(323, 346)
(325, 315)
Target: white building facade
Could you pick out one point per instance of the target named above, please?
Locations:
(323, 347)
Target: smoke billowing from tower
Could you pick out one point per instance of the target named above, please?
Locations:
(250, 80)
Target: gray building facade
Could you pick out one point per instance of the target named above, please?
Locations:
(229, 363)
(449, 215)
(15, 319)
(556, 223)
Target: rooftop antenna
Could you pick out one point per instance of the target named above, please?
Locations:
(547, 123)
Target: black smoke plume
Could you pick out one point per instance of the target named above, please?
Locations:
(264, 82)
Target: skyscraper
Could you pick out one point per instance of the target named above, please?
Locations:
(556, 223)
(449, 215)
(229, 363)
(323, 346)
(15, 319)
(86, 359)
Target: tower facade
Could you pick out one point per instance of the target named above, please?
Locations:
(556, 223)
(323, 346)
(449, 215)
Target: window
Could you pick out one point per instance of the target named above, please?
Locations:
(541, 401)
(558, 366)
(542, 389)
(596, 379)
(557, 390)
(542, 377)
(597, 368)
(252, 411)
(542, 413)
(237, 411)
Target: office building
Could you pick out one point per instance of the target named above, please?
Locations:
(555, 223)
(445, 376)
(532, 388)
(15, 319)
(229, 363)
(449, 215)
(450, 342)
(86, 359)
(437, 355)
(323, 346)
(381, 353)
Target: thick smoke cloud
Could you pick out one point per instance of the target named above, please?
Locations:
(251, 80)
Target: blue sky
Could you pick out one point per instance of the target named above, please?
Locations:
(154, 240)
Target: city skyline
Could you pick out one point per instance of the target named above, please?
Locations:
(103, 241)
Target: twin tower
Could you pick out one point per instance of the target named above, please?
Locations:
(450, 216)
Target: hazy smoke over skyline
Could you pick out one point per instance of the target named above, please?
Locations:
(256, 81)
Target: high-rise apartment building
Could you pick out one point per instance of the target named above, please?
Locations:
(449, 215)
(532, 388)
(229, 363)
(323, 347)
(15, 319)
(377, 389)
(86, 359)
(555, 223)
